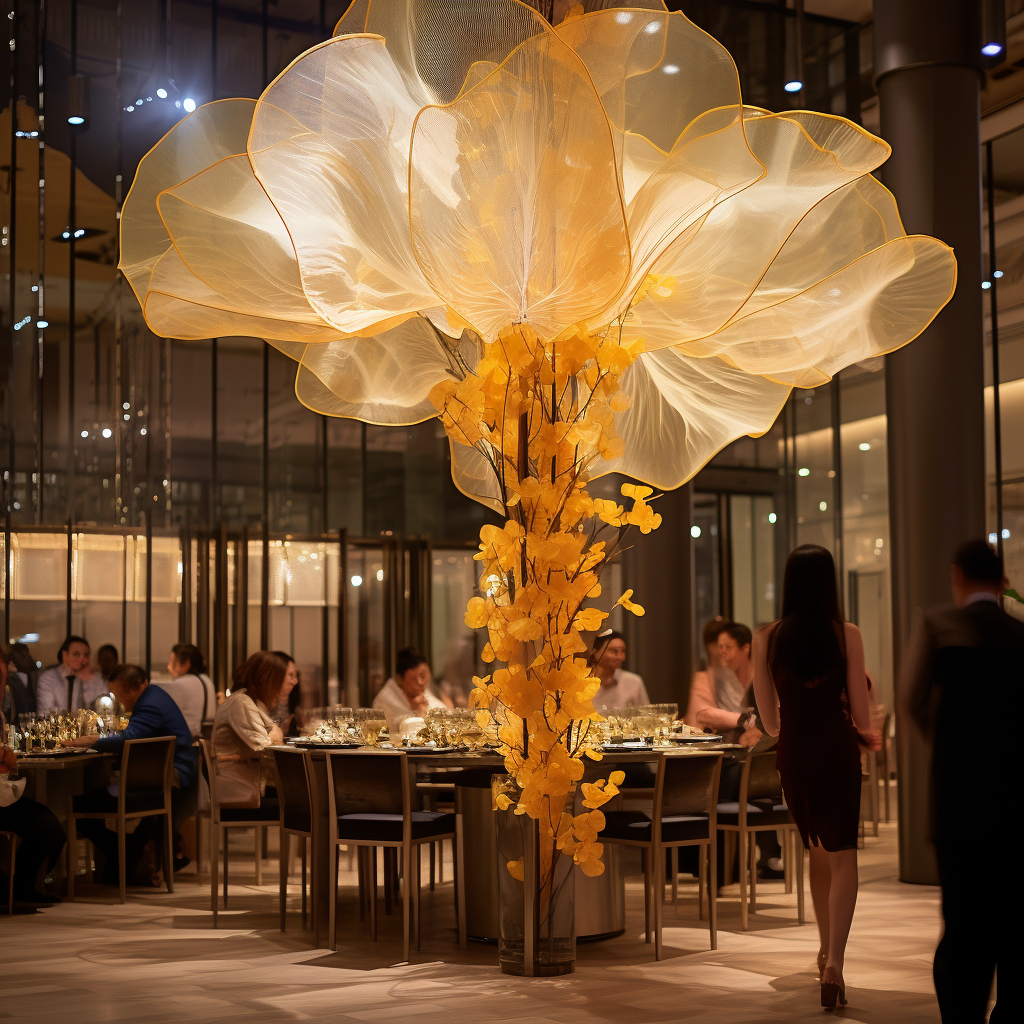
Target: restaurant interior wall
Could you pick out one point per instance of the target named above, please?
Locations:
(204, 445)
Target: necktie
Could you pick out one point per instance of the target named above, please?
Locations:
(71, 693)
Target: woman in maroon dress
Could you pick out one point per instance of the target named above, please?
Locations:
(804, 666)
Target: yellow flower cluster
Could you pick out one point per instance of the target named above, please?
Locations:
(543, 414)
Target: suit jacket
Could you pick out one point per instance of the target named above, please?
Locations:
(156, 714)
(965, 673)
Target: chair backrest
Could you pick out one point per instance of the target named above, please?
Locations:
(687, 784)
(146, 766)
(359, 782)
(760, 778)
(294, 788)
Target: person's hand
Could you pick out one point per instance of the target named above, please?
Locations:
(870, 738)
(82, 741)
(276, 736)
(750, 737)
(419, 702)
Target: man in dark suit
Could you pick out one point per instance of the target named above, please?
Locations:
(961, 659)
(153, 713)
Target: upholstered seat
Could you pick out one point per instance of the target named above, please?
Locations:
(759, 815)
(637, 825)
(268, 810)
(387, 828)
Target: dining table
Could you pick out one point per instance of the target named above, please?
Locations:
(54, 776)
(600, 900)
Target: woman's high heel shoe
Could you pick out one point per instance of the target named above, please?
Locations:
(832, 991)
(822, 961)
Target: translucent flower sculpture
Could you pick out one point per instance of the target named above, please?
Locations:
(574, 244)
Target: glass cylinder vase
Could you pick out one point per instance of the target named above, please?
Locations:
(536, 884)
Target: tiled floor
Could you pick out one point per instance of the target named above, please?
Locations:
(158, 959)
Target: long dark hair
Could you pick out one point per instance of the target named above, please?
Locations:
(806, 642)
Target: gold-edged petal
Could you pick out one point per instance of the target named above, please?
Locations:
(515, 206)
(684, 410)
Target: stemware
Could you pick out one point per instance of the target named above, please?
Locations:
(371, 724)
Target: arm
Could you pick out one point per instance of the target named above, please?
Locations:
(764, 689)
(857, 688)
(246, 722)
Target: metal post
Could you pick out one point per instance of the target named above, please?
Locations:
(837, 487)
(40, 9)
(990, 195)
(149, 590)
(343, 694)
(13, 263)
(72, 227)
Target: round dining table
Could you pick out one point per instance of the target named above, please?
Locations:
(600, 900)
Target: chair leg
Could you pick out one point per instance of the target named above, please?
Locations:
(169, 851)
(303, 845)
(214, 848)
(885, 775)
(406, 901)
(416, 916)
(798, 843)
(360, 852)
(658, 853)
(72, 854)
(433, 863)
(389, 879)
(332, 908)
(11, 866)
(753, 872)
(122, 867)
(713, 889)
(459, 868)
(373, 893)
(741, 863)
(224, 837)
(675, 875)
(258, 845)
(702, 880)
(787, 858)
(283, 882)
(647, 893)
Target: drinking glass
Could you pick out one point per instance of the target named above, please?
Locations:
(371, 724)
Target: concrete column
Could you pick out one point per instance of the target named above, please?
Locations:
(659, 567)
(927, 71)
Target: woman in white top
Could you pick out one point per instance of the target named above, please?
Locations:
(243, 728)
(190, 687)
(619, 688)
(406, 694)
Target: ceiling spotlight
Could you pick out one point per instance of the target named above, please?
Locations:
(107, 432)
(125, 405)
(130, 107)
(189, 104)
(162, 93)
(864, 446)
(997, 273)
(78, 100)
(695, 532)
(772, 518)
(357, 581)
(993, 27)
(985, 285)
(803, 471)
(793, 56)
(143, 431)
(42, 323)
(85, 433)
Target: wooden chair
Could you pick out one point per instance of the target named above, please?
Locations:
(144, 792)
(761, 808)
(223, 818)
(370, 804)
(684, 813)
(294, 793)
(12, 840)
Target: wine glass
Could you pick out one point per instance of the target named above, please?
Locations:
(371, 724)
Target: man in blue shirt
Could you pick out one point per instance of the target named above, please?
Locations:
(153, 713)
